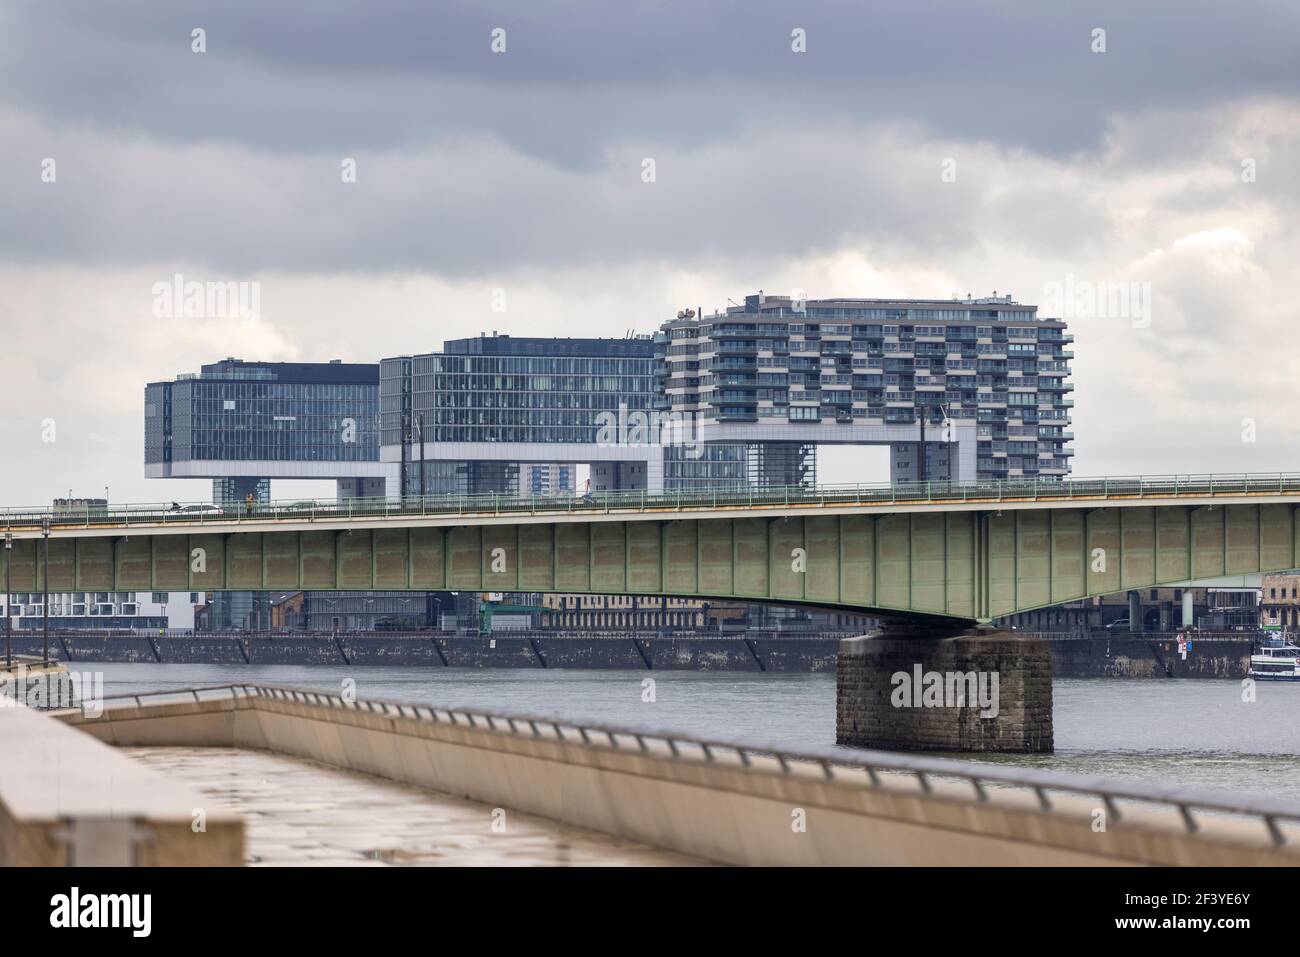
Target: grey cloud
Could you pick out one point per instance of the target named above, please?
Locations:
(524, 170)
(471, 163)
(477, 207)
(302, 76)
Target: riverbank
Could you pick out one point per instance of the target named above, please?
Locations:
(1101, 656)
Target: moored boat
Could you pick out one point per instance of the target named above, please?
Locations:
(1276, 663)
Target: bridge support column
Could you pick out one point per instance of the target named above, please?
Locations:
(980, 691)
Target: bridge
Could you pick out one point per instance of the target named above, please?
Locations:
(962, 552)
(933, 559)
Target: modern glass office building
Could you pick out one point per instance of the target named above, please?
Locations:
(366, 611)
(548, 480)
(465, 419)
(958, 389)
(243, 423)
(240, 424)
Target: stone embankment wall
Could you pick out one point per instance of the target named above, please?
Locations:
(1093, 657)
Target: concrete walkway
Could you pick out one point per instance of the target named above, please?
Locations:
(300, 812)
(709, 801)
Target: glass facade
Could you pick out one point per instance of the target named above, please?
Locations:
(363, 611)
(259, 413)
(719, 464)
(236, 411)
(543, 480)
(779, 376)
(503, 389)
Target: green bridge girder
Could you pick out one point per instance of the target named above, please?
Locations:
(955, 561)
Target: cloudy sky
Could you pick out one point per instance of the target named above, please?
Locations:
(913, 148)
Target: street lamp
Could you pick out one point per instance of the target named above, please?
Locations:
(925, 414)
(9, 601)
(45, 585)
(419, 431)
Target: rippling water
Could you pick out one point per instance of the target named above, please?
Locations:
(1193, 733)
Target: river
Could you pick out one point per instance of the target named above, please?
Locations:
(1193, 733)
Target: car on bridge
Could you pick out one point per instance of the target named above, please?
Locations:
(201, 509)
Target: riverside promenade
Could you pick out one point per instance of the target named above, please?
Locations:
(578, 794)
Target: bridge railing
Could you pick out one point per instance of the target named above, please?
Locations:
(639, 500)
(878, 768)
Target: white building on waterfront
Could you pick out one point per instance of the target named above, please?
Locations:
(103, 610)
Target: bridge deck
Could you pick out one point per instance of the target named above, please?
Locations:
(961, 553)
(157, 518)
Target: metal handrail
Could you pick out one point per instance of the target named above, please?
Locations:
(1268, 811)
(23, 663)
(638, 500)
(665, 632)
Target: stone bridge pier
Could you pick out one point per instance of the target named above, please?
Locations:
(979, 690)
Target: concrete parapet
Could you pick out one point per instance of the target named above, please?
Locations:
(67, 799)
(723, 805)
